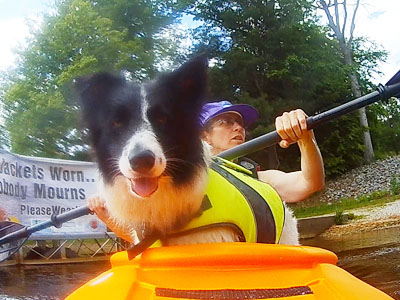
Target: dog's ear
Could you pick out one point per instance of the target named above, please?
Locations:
(190, 79)
(94, 88)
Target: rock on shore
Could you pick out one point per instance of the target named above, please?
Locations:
(362, 180)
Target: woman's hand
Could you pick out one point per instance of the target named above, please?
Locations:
(292, 127)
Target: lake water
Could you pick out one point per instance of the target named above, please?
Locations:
(372, 256)
(45, 282)
(377, 263)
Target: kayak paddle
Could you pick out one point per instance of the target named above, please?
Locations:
(391, 89)
(14, 235)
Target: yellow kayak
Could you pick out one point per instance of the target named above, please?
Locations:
(227, 271)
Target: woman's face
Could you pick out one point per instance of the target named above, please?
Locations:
(224, 132)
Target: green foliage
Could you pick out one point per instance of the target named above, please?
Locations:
(341, 144)
(394, 185)
(340, 217)
(306, 209)
(373, 196)
(351, 216)
(384, 120)
(366, 57)
(81, 37)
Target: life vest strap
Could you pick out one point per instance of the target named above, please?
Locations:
(233, 227)
(265, 222)
(135, 249)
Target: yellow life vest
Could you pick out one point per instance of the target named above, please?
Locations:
(236, 199)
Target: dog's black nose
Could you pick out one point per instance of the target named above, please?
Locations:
(142, 161)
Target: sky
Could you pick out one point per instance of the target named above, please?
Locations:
(14, 28)
(376, 20)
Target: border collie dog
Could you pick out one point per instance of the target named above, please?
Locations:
(152, 161)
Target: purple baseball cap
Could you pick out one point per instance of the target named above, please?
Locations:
(212, 109)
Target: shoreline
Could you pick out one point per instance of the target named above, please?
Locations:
(373, 227)
(361, 226)
(366, 219)
(357, 236)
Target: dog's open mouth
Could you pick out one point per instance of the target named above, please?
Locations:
(144, 186)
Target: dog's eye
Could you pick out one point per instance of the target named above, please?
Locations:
(117, 124)
(157, 117)
(162, 120)
(120, 118)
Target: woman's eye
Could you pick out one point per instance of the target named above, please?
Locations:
(226, 122)
(222, 122)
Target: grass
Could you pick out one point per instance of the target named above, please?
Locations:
(316, 208)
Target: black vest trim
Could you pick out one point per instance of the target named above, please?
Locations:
(266, 229)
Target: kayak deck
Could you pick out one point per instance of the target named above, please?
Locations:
(227, 271)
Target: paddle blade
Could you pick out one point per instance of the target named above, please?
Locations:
(395, 79)
(8, 248)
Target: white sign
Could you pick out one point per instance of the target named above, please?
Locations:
(32, 189)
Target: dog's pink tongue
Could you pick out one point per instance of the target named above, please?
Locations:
(144, 186)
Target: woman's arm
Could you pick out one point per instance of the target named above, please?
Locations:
(296, 186)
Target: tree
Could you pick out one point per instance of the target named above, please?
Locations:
(334, 22)
(274, 56)
(81, 37)
(385, 127)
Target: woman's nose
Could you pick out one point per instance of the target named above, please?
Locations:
(237, 126)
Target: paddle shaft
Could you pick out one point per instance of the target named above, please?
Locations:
(56, 220)
(272, 138)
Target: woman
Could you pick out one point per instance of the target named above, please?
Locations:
(224, 127)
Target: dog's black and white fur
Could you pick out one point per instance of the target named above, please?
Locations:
(147, 141)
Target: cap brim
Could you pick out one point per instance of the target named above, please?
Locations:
(248, 113)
